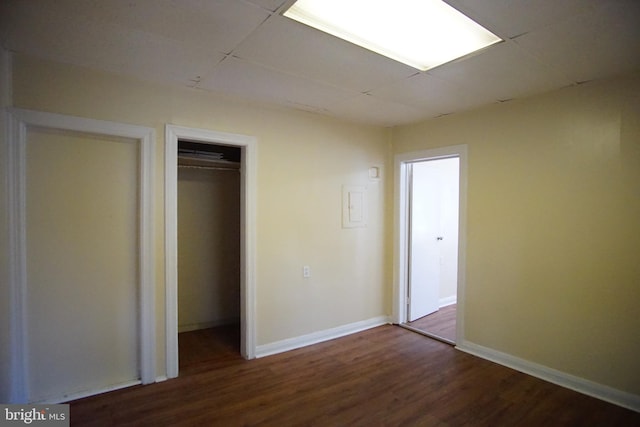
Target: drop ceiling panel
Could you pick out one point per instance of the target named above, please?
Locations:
(124, 51)
(502, 72)
(201, 42)
(218, 25)
(593, 45)
(288, 45)
(425, 91)
(271, 5)
(370, 110)
(510, 18)
(157, 59)
(252, 81)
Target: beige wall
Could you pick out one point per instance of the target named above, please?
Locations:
(303, 160)
(553, 231)
(208, 248)
(553, 207)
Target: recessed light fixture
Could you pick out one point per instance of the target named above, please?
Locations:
(419, 33)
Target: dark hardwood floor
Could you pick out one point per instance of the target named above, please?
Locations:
(198, 349)
(441, 323)
(386, 376)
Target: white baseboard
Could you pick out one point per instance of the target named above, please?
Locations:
(581, 385)
(82, 394)
(317, 337)
(206, 325)
(453, 299)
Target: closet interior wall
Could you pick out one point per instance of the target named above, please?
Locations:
(208, 245)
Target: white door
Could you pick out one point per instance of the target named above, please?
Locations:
(82, 263)
(433, 235)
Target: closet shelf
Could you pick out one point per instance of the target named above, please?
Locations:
(188, 161)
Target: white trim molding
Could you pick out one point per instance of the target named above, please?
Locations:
(81, 395)
(400, 241)
(19, 123)
(207, 325)
(444, 302)
(6, 98)
(16, 269)
(320, 336)
(6, 87)
(248, 190)
(563, 379)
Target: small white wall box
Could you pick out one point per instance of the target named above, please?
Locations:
(374, 173)
(354, 206)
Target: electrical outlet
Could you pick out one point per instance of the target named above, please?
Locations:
(306, 271)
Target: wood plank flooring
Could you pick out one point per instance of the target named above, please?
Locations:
(197, 349)
(386, 376)
(441, 323)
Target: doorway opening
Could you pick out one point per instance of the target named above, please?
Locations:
(433, 247)
(242, 152)
(430, 242)
(208, 252)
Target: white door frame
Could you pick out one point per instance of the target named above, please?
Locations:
(19, 123)
(247, 235)
(401, 229)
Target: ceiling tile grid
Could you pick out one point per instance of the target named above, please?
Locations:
(375, 111)
(604, 41)
(125, 50)
(270, 5)
(503, 72)
(425, 91)
(284, 44)
(252, 81)
(246, 48)
(511, 18)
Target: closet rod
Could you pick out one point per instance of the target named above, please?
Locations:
(215, 168)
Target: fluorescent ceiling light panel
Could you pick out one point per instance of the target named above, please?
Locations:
(419, 33)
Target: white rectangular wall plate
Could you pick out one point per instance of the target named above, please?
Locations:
(354, 206)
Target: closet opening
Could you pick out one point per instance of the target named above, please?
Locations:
(209, 252)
